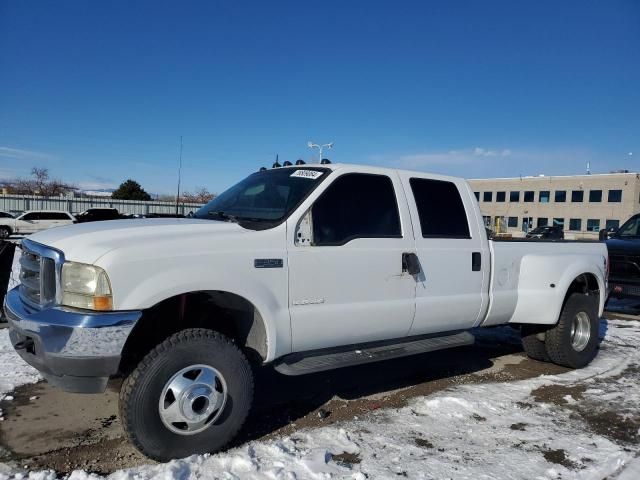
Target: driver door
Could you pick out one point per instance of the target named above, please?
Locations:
(346, 278)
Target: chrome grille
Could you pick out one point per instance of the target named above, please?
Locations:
(38, 274)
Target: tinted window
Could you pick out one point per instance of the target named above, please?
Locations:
(615, 195)
(575, 224)
(513, 222)
(5, 215)
(54, 216)
(356, 206)
(595, 195)
(630, 228)
(501, 196)
(487, 196)
(514, 196)
(577, 196)
(561, 196)
(544, 196)
(528, 196)
(31, 216)
(440, 209)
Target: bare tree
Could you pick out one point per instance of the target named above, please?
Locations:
(39, 184)
(201, 195)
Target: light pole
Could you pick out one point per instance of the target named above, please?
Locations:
(320, 147)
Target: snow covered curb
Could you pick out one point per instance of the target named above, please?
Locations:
(488, 430)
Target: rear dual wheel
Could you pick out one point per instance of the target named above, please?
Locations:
(573, 341)
(190, 394)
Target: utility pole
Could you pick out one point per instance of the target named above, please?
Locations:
(179, 174)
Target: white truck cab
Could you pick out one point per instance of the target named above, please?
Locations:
(307, 268)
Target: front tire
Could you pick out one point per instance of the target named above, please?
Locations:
(573, 342)
(533, 346)
(190, 394)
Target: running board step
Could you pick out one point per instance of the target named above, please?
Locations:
(301, 363)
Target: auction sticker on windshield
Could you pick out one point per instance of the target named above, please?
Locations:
(310, 174)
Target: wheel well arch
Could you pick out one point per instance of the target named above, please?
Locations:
(585, 283)
(225, 312)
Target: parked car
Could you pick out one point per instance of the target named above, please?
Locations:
(34, 221)
(546, 233)
(6, 215)
(624, 254)
(97, 215)
(307, 268)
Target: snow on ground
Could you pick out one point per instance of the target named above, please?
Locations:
(478, 431)
(13, 370)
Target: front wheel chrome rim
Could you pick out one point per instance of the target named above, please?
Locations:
(193, 399)
(580, 331)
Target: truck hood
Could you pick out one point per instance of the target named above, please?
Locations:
(87, 242)
(624, 246)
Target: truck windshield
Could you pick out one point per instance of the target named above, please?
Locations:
(631, 228)
(264, 198)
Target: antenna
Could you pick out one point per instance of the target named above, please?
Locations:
(179, 174)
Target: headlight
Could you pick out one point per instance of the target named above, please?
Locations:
(85, 286)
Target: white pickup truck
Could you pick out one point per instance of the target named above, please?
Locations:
(305, 267)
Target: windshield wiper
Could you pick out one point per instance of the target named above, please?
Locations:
(224, 216)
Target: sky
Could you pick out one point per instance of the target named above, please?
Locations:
(98, 92)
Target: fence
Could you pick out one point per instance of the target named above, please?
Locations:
(20, 203)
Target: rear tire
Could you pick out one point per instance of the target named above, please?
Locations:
(533, 346)
(573, 342)
(5, 232)
(213, 385)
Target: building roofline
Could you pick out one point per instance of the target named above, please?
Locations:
(538, 177)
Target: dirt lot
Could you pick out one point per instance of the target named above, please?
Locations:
(45, 428)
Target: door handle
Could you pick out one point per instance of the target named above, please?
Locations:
(476, 261)
(410, 263)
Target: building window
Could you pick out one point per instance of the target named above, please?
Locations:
(501, 196)
(612, 224)
(575, 224)
(558, 222)
(543, 196)
(593, 225)
(529, 196)
(514, 196)
(477, 194)
(543, 222)
(577, 196)
(560, 196)
(595, 196)
(513, 222)
(527, 223)
(440, 209)
(487, 196)
(615, 196)
(487, 220)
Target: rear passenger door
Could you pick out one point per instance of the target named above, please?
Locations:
(453, 252)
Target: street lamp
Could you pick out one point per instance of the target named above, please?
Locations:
(320, 147)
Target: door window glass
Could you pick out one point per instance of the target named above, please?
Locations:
(356, 205)
(440, 209)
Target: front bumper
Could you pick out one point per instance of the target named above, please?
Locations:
(624, 288)
(75, 350)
